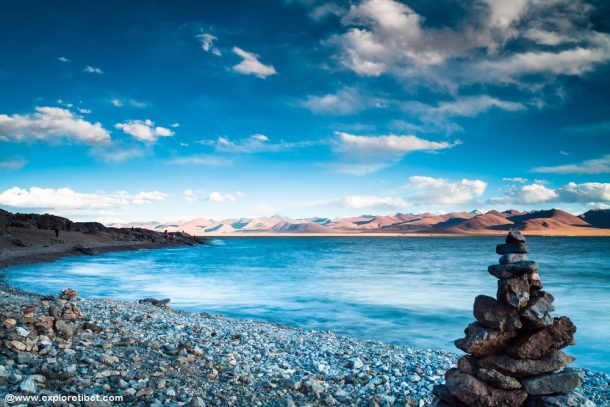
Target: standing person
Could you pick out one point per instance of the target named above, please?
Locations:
(56, 232)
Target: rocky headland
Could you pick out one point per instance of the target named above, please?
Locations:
(29, 238)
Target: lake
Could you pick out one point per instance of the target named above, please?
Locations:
(416, 291)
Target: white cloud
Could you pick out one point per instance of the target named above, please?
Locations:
(131, 102)
(218, 197)
(388, 37)
(116, 152)
(60, 199)
(207, 43)
(591, 194)
(345, 102)
(362, 155)
(201, 159)
(534, 193)
(175, 125)
(148, 197)
(515, 179)
(83, 111)
(468, 106)
(595, 166)
(144, 130)
(441, 191)
(51, 124)
(385, 146)
(255, 143)
(13, 164)
(588, 192)
(374, 202)
(190, 195)
(63, 59)
(93, 70)
(250, 65)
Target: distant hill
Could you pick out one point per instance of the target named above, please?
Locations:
(542, 222)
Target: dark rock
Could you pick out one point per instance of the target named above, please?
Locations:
(514, 236)
(474, 392)
(514, 291)
(482, 341)
(511, 248)
(537, 344)
(68, 294)
(498, 380)
(537, 313)
(84, 250)
(512, 269)
(490, 313)
(572, 399)
(512, 258)
(155, 302)
(562, 382)
(441, 392)
(552, 361)
(467, 364)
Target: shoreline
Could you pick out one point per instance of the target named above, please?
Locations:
(206, 356)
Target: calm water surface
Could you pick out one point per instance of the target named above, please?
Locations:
(415, 291)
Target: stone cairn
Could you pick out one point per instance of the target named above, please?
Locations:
(514, 356)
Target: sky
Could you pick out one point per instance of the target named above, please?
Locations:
(162, 110)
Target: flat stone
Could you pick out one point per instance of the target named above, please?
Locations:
(467, 364)
(506, 248)
(490, 313)
(482, 341)
(514, 236)
(562, 382)
(572, 399)
(537, 344)
(9, 323)
(475, 392)
(537, 313)
(514, 291)
(512, 269)
(64, 330)
(512, 258)
(498, 380)
(552, 361)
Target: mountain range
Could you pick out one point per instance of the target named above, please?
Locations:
(540, 222)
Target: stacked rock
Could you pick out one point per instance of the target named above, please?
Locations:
(514, 356)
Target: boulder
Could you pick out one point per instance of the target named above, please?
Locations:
(64, 330)
(441, 392)
(535, 345)
(475, 392)
(482, 341)
(498, 380)
(507, 248)
(534, 280)
(572, 399)
(537, 313)
(490, 313)
(514, 291)
(562, 382)
(68, 294)
(514, 236)
(467, 364)
(512, 258)
(552, 361)
(512, 269)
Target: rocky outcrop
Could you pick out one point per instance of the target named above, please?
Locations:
(514, 347)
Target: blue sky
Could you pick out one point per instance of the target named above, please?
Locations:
(121, 111)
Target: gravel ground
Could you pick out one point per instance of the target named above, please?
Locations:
(154, 355)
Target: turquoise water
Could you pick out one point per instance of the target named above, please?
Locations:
(415, 291)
